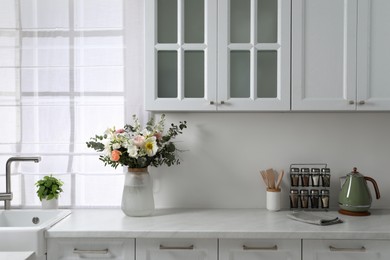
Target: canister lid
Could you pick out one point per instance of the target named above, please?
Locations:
(315, 170)
(305, 170)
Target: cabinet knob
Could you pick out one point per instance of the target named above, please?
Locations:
(351, 102)
(362, 102)
(212, 103)
(222, 102)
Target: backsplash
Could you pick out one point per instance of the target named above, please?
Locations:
(225, 152)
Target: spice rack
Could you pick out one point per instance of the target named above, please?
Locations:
(309, 186)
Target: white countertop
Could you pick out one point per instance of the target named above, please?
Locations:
(216, 223)
(16, 255)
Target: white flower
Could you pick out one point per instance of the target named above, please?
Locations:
(116, 146)
(150, 146)
(132, 150)
(107, 149)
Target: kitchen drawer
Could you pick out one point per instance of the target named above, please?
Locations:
(346, 249)
(90, 248)
(176, 249)
(259, 249)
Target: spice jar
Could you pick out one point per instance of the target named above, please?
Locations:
(314, 198)
(304, 195)
(305, 177)
(315, 177)
(325, 177)
(294, 177)
(325, 199)
(294, 198)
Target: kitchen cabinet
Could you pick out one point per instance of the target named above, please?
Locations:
(346, 249)
(213, 55)
(373, 60)
(338, 57)
(259, 249)
(324, 54)
(90, 248)
(177, 249)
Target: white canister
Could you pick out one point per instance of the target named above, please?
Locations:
(273, 199)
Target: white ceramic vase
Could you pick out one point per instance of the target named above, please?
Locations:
(137, 196)
(50, 204)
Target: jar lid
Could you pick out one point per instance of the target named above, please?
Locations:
(304, 192)
(294, 191)
(315, 170)
(295, 170)
(305, 170)
(324, 192)
(314, 192)
(325, 170)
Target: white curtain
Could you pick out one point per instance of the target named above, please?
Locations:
(68, 70)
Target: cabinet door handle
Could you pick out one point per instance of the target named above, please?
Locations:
(351, 102)
(162, 247)
(212, 102)
(91, 252)
(362, 102)
(343, 249)
(222, 102)
(245, 247)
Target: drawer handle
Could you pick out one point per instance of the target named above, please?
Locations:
(244, 247)
(90, 252)
(341, 249)
(162, 247)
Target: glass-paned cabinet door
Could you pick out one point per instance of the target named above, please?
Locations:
(180, 54)
(254, 55)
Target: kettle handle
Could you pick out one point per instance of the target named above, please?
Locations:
(378, 195)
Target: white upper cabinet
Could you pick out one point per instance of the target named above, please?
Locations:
(339, 57)
(254, 55)
(217, 55)
(180, 54)
(324, 54)
(373, 60)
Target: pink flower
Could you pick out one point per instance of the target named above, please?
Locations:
(120, 131)
(158, 135)
(139, 140)
(115, 155)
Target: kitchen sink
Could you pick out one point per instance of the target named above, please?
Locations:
(24, 230)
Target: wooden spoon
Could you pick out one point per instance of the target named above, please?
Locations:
(271, 178)
(279, 181)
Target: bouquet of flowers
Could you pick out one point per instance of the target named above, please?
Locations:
(135, 147)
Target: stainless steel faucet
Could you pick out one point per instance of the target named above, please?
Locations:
(7, 196)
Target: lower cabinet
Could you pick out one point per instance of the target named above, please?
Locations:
(216, 249)
(176, 249)
(259, 249)
(90, 248)
(346, 249)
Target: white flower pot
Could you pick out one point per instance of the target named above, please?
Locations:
(50, 204)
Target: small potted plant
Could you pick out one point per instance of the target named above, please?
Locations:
(49, 189)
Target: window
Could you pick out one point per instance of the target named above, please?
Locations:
(63, 79)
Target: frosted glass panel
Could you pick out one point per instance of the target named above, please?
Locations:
(89, 13)
(267, 21)
(194, 74)
(194, 21)
(239, 74)
(46, 14)
(167, 74)
(8, 14)
(267, 74)
(240, 20)
(167, 21)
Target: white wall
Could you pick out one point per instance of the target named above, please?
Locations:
(227, 150)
